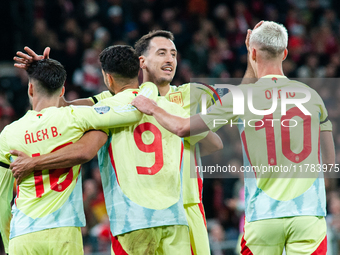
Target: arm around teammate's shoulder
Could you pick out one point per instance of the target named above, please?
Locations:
(180, 126)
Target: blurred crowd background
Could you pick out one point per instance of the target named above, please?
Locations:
(209, 36)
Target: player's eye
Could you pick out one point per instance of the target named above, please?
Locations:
(162, 53)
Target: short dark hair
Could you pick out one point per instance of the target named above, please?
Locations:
(120, 60)
(49, 74)
(142, 45)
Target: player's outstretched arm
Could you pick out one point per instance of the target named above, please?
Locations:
(327, 148)
(210, 144)
(175, 124)
(24, 60)
(78, 153)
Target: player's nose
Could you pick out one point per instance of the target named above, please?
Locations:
(169, 58)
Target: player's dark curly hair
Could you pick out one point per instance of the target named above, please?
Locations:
(49, 74)
(120, 60)
(142, 45)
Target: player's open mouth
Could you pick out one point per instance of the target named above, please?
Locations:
(167, 69)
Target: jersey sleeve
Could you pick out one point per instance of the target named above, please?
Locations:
(105, 94)
(149, 90)
(6, 191)
(115, 111)
(325, 123)
(105, 115)
(218, 114)
(196, 138)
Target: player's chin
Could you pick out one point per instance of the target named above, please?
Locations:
(166, 78)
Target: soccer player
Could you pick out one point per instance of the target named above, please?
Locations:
(141, 173)
(157, 53)
(143, 197)
(49, 204)
(280, 212)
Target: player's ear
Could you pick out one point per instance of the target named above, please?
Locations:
(142, 62)
(62, 91)
(253, 54)
(110, 79)
(30, 89)
(285, 53)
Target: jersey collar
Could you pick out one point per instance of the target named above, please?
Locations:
(171, 90)
(272, 77)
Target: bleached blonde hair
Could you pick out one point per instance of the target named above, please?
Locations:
(270, 37)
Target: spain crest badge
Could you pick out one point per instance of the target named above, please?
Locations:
(177, 98)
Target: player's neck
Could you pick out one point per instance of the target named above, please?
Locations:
(133, 85)
(39, 104)
(269, 70)
(163, 90)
